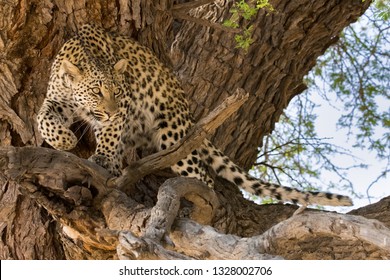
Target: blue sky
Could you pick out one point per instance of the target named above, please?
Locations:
(327, 117)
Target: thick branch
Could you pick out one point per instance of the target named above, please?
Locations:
(51, 168)
(165, 211)
(331, 231)
(286, 46)
(205, 242)
(369, 238)
(131, 247)
(49, 177)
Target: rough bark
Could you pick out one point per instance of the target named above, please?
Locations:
(56, 205)
(286, 46)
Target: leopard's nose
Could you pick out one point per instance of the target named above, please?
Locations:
(110, 107)
(109, 114)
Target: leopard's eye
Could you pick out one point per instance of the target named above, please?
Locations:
(117, 92)
(97, 92)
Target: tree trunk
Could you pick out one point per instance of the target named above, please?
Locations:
(56, 205)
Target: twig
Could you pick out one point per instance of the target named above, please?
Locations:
(382, 175)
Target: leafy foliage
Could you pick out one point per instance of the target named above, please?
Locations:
(356, 72)
(295, 154)
(245, 10)
(383, 9)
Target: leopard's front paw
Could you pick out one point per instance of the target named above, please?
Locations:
(106, 163)
(63, 140)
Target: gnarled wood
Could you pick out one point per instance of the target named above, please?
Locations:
(55, 205)
(101, 222)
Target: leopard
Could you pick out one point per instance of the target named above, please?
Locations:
(132, 100)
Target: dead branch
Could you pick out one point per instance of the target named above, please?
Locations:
(51, 169)
(194, 138)
(204, 242)
(333, 232)
(165, 211)
(131, 247)
(345, 227)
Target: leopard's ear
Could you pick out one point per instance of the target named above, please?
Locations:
(71, 70)
(120, 66)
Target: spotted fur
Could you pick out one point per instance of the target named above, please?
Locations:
(132, 100)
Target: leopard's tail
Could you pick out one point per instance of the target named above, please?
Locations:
(228, 170)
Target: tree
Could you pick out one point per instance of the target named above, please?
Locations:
(56, 205)
(352, 76)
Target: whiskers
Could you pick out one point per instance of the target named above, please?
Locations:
(85, 121)
(88, 120)
(104, 117)
(81, 129)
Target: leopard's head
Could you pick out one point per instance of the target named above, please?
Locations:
(96, 88)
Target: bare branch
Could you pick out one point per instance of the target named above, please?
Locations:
(165, 211)
(351, 230)
(383, 174)
(133, 248)
(336, 230)
(205, 242)
(194, 138)
(51, 168)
